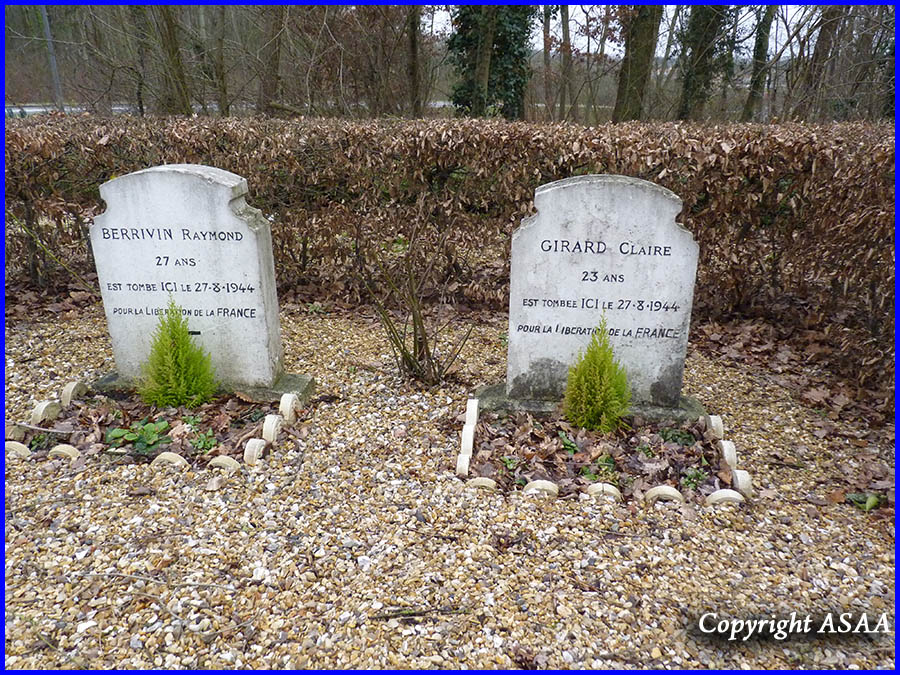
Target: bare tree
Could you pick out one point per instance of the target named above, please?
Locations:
(218, 58)
(175, 94)
(413, 19)
(703, 33)
(548, 77)
(271, 57)
(483, 57)
(567, 84)
(640, 45)
(813, 77)
(51, 54)
(760, 51)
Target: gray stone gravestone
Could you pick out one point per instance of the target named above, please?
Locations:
(185, 231)
(600, 246)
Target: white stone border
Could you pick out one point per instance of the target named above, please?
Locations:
(289, 405)
(742, 485)
(468, 438)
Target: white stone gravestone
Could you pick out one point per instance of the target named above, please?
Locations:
(185, 231)
(600, 246)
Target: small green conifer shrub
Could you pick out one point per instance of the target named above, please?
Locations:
(178, 372)
(597, 391)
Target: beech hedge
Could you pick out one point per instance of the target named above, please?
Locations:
(794, 221)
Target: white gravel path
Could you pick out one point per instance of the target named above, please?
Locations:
(358, 547)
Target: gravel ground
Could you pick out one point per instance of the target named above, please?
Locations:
(358, 547)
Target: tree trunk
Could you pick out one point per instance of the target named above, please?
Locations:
(566, 85)
(640, 46)
(139, 20)
(728, 66)
(548, 74)
(483, 58)
(51, 54)
(175, 92)
(219, 79)
(760, 54)
(809, 104)
(413, 18)
(704, 26)
(664, 73)
(271, 58)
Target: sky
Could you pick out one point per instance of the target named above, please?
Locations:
(786, 18)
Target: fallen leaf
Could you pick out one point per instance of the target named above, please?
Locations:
(840, 401)
(221, 422)
(835, 496)
(179, 430)
(817, 394)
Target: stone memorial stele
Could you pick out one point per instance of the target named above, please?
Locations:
(600, 246)
(185, 231)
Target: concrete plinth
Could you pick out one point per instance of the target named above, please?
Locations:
(493, 397)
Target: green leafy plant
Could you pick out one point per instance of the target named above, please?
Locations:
(597, 391)
(679, 436)
(510, 462)
(191, 420)
(646, 450)
(205, 441)
(568, 443)
(603, 469)
(587, 472)
(866, 501)
(144, 436)
(606, 463)
(40, 441)
(693, 478)
(178, 372)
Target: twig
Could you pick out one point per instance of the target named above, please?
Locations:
(152, 580)
(46, 641)
(412, 611)
(254, 430)
(622, 534)
(211, 634)
(162, 604)
(49, 431)
(291, 432)
(367, 366)
(46, 250)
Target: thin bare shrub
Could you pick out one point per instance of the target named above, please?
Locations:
(417, 337)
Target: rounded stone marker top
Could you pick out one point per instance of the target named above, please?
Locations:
(236, 185)
(665, 198)
(604, 180)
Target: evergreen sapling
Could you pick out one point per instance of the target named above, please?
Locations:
(597, 391)
(178, 372)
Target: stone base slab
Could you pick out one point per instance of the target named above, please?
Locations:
(301, 385)
(493, 397)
